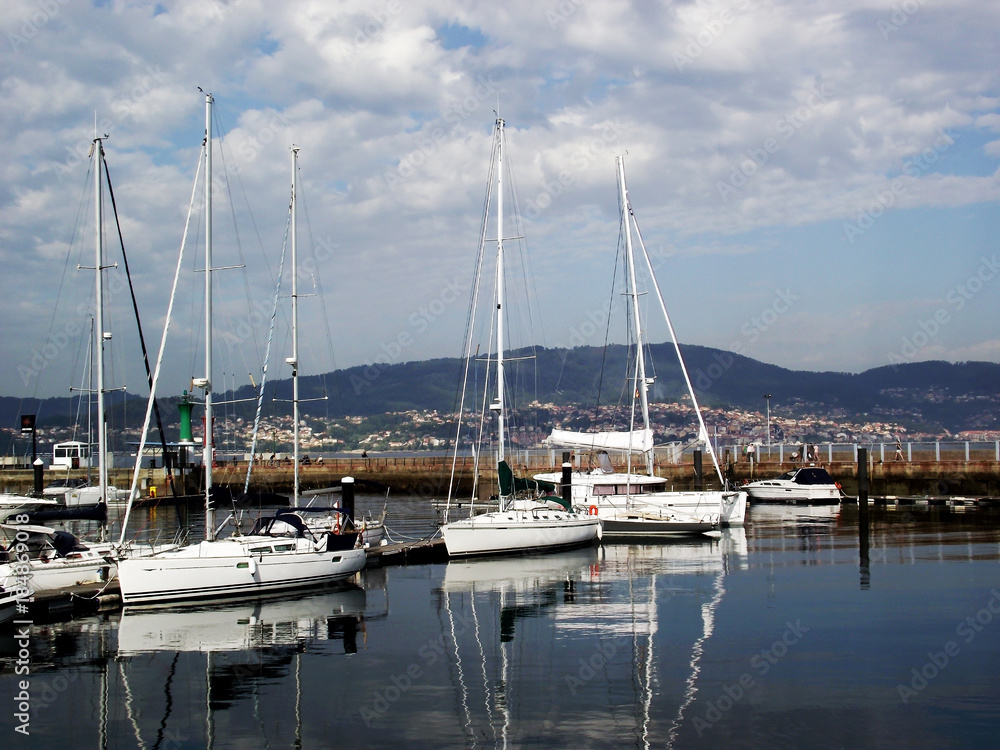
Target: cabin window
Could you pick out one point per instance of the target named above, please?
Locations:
(604, 489)
(243, 565)
(259, 550)
(283, 547)
(336, 559)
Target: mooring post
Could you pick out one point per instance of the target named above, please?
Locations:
(567, 486)
(39, 467)
(863, 483)
(347, 497)
(699, 480)
(863, 518)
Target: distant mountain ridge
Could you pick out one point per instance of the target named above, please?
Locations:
(918, 395)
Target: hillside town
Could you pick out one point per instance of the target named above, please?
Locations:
(430, 430)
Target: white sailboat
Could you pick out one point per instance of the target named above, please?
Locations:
(281, 552)
(521, 524)
(631, 504)
(39, 558)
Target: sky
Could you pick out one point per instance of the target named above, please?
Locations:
(816, 182)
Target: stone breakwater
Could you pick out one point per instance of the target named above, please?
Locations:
(430, 476)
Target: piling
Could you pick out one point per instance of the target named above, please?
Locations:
(863, 544)
(39, 467)
(699, 476)
(347, 497)
(567, 483)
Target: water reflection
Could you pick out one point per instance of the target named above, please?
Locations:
(757, 638)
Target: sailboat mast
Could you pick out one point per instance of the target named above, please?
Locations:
(208, 453)
(640, 365)
(500, 297)
(295, 328)
(102, 437)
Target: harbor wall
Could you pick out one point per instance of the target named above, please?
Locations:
(429, 476)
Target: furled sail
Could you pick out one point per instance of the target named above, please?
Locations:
(636, 440)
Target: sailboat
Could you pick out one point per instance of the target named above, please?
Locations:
(280, 552)
(631, 504)
(522, 524)
(40, 558)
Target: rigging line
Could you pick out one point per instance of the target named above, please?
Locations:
(318, 284)
(80, 218)
(267, 353)
(239, 243)
(470, 326)
(167, 467)
(703, 431)
(169, 703)
(159, 356)
(607, 330)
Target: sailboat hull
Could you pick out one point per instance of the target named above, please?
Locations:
(615, 490)
(240, 566)
(519, 531)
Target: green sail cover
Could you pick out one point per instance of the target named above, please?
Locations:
(509, 484)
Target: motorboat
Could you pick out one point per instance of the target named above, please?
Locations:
(808, 484)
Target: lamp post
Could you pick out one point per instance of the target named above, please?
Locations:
(767, 400)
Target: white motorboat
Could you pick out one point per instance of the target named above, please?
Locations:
(281, 552)
(13, 505)
(628, 503)
(808, 484)
(40, 558)
(523, 523)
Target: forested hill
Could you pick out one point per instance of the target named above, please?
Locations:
(923, 394)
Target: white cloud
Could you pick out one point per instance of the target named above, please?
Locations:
(394, 127)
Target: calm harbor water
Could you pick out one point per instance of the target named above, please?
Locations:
(776, 635)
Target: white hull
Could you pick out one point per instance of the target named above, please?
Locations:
(8, 608)
(806, 485)
(651, 522)
(238, 566)
(514, 531)
(59, 573)
(793, 493)
(602, 490)
(12, 505)
(236, 626)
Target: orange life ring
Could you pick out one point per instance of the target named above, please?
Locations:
(592, 510)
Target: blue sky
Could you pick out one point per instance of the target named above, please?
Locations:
(818, 181)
